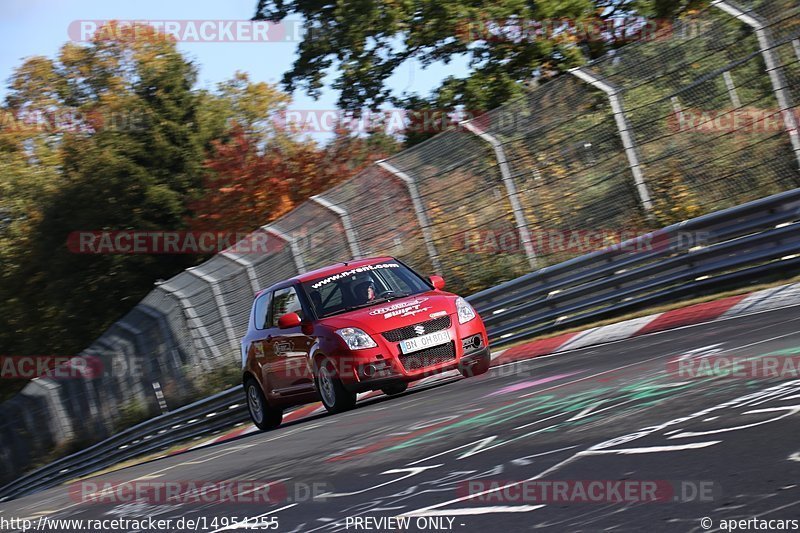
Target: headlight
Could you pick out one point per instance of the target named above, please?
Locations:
(465, 311)
(356, 339)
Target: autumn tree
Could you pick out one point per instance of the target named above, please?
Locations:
(253, 179)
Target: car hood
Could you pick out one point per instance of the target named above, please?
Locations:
(396, 313)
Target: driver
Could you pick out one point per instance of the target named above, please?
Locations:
(365, 292)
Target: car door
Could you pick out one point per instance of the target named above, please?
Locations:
(288, 358)
(260, 346)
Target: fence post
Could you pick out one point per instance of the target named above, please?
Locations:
(297, 254)
(223, 308)
(731, 86)
(774, 71)
(624, 129)
(248, 266)
(59, 420)
(166, 331)
(419, 208)
(348, 226)
(191, 317)
(511, 190)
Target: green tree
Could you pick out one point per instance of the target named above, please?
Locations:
(368, 40)
(129, 158)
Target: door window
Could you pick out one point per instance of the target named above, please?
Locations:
(285, 301)
(260, 314)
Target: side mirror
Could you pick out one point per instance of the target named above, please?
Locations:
(437, 281)
(289, 320)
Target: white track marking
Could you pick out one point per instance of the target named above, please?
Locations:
(790, 410)
(480, 510)
(411, 472)
(600, 446)
(653, 449)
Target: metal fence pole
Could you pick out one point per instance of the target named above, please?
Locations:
(511, 190)
(297, 254)
(192, 317)
(220, 301)
(731, 86)
(624, 129)
(59, 420)
(248, 266)
(348, 226)
(169, 339)
(419, 208)
(774, 70)
(138, 371)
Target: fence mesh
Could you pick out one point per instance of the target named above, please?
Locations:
(691, 121)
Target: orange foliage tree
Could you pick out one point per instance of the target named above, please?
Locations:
(252, 181)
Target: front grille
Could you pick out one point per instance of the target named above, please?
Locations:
(407, 332)
(429, 356)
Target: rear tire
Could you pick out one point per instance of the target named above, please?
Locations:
(395, 388)
(478, 368)
(262, 415)
(335, 397)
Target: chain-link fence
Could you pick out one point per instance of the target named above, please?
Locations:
(691, 121)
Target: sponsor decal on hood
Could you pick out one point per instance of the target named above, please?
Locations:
(404, 309)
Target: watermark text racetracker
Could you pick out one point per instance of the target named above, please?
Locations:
(578, 241)
(744, 120)
(51, 366)
(70, 120)
(188, 31)
(65, 367)
(712, 366)
(172, 242)
(620, 29)
(199, 492)
(588, 491)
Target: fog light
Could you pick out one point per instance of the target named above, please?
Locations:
(375, 369)
(473, 343)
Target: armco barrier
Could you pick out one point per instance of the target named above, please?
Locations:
(200, 418)
(754, 239)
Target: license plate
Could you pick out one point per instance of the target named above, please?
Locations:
(425, 341)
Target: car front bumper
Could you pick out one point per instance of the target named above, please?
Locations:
(394, 367)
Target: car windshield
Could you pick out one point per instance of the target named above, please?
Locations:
(362, 287)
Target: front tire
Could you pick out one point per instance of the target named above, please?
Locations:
(335, 397)
(262, 415)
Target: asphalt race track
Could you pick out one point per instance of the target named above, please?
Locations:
(457, 456)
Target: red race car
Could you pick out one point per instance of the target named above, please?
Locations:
(371, 324)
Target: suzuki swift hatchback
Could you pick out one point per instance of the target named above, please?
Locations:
(371, 324)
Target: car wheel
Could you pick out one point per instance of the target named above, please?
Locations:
(334, 396)
(477, 368)
(262, 415)
(395, 388)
